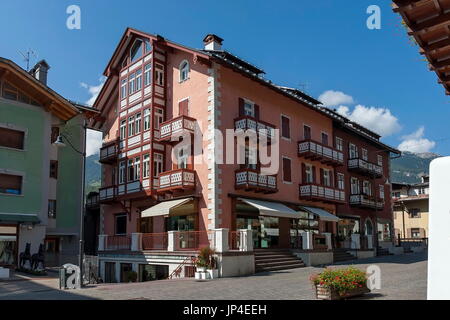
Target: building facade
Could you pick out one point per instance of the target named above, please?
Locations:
(171, 182)
(411, 209)
(40, 184)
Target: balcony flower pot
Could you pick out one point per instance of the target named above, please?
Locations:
(336, 284)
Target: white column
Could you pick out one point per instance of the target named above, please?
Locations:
(246, 240)
(328, 240)
(117, 265)
(356, 241)
(369, 242)
(307, 240)
(136, 241)
(101, 242)
(221, 240)
(171, 245)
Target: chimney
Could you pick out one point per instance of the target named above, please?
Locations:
(40, 70)
(213, 42)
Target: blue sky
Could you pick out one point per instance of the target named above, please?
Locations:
(321, 44)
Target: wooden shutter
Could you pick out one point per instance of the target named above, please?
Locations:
(314, 174)
(55, 134)
(322, 178)
(287, 170)
(307, 132)
(331, 179)
(11, 138)
(285, 127)
(183, 107)
(8, 181)
(256, 111)
(241, 107)
(304, 173)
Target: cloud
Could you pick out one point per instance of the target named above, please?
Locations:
(379, 120)
(94, 142)
(415, 142)
(332, 98)
(93, 90)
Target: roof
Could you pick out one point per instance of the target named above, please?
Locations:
(63, 108)
(428, 22)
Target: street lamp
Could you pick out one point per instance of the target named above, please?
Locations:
(59, 142)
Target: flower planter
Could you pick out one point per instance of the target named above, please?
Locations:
(323, 293)
(202, 276)
(213, 273)
(201, 269)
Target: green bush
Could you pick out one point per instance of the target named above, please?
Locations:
(341, 280)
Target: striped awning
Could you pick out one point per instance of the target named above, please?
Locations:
(271, 209)
(164, 208)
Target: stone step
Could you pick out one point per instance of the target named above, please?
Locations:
(278, 268)
(278, 262)
(274, 257)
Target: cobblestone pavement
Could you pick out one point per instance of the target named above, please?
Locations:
(403, 277)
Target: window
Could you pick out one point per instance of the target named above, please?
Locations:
(365, 154)
(184, 70)
(146, 119)
(147, 46)
(123, 89)
(138, 80)
(306, 132)
(354, 185)
(324, 139)
(157, 164)
(146, 166)
(54, 169)
(159, 116)
(137, 124)
(121, 224)
(159, 74)
(367, 188)
(123, 129)
(249, 109)
(52, 209)
(339, 144)
(122, 172)
(287, 170)
(182, 159)
(147, 74)
(136, 50)
(131, 126)
(10, 138)
(414, 213)
(137, 168)
(309, 173)
(285, 127)
(353, 151)
(340, 181)
(380, 160)
(250, 156)
(131, 84)
(415, 232)
(130, 170)
(326, 177)
(55, 134)
(10, 184)
(396, 194)
(381, 191)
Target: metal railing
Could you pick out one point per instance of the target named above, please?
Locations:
(310, 190)
(193, 240)
(118, 242)
(364, 165)
(316, 149)
(252, 178)
(262, 128)
(154, 241)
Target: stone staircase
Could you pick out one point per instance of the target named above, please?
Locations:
(342, 255)
(274, 260)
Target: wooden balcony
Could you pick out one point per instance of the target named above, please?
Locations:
(366, 201)
(109, 153)
(365, 167)
(309, 149)
(252, 180)
(107, 194)
(262, 128)
(171, 130)
(314, 192)
(176, 180)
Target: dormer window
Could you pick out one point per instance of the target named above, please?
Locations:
(184, 70)
(136, 50)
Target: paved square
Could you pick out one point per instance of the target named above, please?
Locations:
(402, 277)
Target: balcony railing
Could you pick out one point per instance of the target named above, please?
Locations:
(93, 201)
(262, 128)
(316, 192)
(365, 167)
(180, 179)
(250, 179)
(107, 194)
(313, 150)
(109, 153)
(118, 242)
(175, 128)
(366, 201)
(193, 240)
(154, 241)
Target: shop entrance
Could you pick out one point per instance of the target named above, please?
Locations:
(265, 230)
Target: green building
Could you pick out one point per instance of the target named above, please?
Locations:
(40, 184)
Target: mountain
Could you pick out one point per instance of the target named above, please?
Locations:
(93, 173)
(411, 166)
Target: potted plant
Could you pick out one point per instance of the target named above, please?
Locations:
(206, 265)
(131, 276)
(336, 284)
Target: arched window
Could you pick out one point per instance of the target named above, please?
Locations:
(184, 70)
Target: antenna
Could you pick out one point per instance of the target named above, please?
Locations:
(27, 57)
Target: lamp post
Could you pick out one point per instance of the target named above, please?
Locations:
(60, 143)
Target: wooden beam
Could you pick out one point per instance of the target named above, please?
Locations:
(439, 21)
(437, 45)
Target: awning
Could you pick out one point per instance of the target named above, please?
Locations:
(272, 209)
(164, 208)
(321, 213)
(19, 218)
